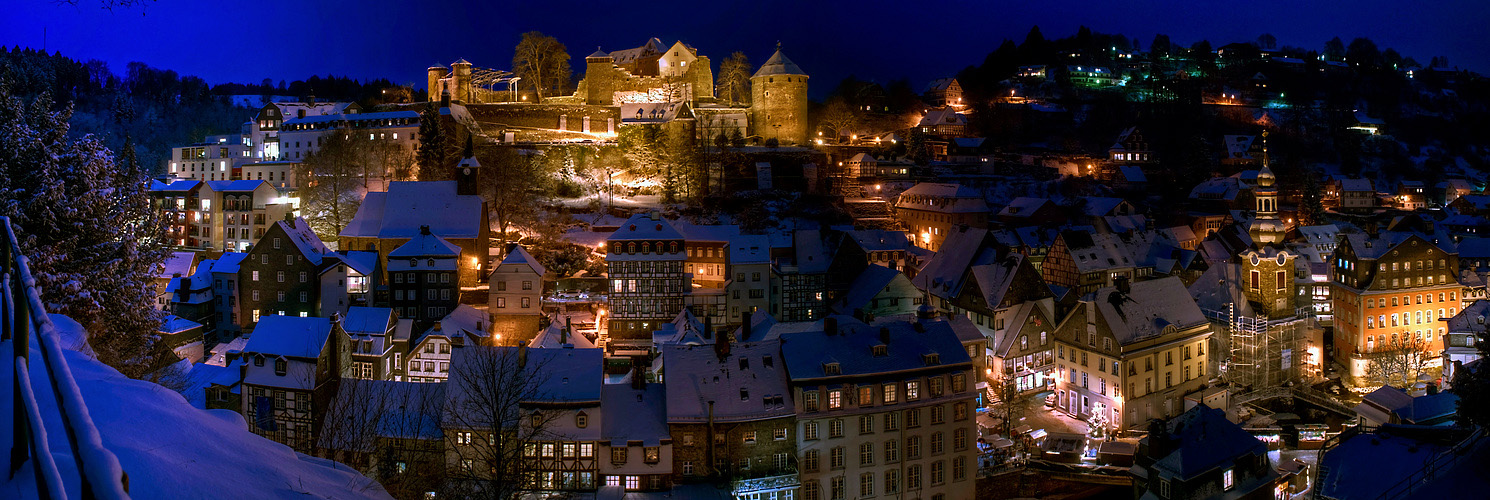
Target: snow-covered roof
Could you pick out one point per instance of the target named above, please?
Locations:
(554, 337)
(1023, 206)
(811, 257)
(567, 375)
(719, 233)
(425, 244)
(635, 414)
(178, 264)
(235, 186)
(1238, 146)
(176, 186)
(305, 240)
(363, 262)
(520, 256)
(289, 336)
(942, 197)
(943, 273)
(627, 56)
(1133, 173)
(696, 375)
(1148, 308)
(228, 262)
(944, 116)
(750, 249)
(940, 84)
(174, 324)
(463, 321)
(1101, 206)
(406, 206)
(1356, 185)
(862, 158)
(367, 320)
(808, 353)
(383, 409)
(360, 117)
(644, 227)
(877, 240)
(778, 64)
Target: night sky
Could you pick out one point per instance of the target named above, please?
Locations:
(247, 41)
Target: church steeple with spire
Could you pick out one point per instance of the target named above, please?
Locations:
(1266, 228)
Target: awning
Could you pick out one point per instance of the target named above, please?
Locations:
(1037, 434)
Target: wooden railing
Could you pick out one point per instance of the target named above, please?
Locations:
(22, 319)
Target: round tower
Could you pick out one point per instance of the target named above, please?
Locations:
(778, 106)
(599, 82)
(436, 86)
(460, 81)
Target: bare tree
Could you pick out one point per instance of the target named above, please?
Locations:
(334, 178)
(839, 117)
(542, 62)
(1399, 361)
(511, 187)
(491, 426)
(734, 78)
(389, 431)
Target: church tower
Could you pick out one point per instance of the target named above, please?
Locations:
(1266, 228)
(778, 106)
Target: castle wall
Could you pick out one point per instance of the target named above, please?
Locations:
(604, 79)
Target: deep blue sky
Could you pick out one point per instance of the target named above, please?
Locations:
(247, 41)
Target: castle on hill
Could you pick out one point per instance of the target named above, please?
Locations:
(656, 74)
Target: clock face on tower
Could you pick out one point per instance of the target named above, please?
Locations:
(466, 171)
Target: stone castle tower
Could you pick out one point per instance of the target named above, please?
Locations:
(600, 82)
(778, 106)
(455, 80)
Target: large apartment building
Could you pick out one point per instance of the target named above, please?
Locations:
(931, 210)
(1131, 352)
(884, 409)
(1390, 290)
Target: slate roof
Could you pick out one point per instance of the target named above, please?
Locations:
(463, 321)
(235, 186)
(1023, 206)
(695, 376)
(179, 263)
(635, 415)
(289, 336)
(808, 352)
(564, 376)
(943, 274)
(778, 64)
(1204, 440)
(952, 198)
(400, 211)
(866, 286)
(750, 249)
(1356, 185)
(876, 240)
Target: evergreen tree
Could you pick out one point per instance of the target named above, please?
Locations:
(1311, 209)
(85, 220)
(431, 156)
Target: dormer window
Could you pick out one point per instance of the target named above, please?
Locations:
(581, 420)
(430, 262)
(413, 262)
(880, 350)
(281, 366)
(831, 369)
(744, 394)
(259, 360)
(931, 359)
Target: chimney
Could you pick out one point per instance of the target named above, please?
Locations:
(290, 219)
(885, 335)
(830, 326)
(656, 215)
(637, 382)
(522, 354)
(1432, 388)
(424, 230)
(708, 327)
(721, 347)
(925, 313)
(564, 334)
(1122, 284)
(744, 326)
(231, 356)
(1158, 440)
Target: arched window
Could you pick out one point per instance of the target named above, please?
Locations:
(631, 247)
(672, 247)
(646, 247)
(581, 420)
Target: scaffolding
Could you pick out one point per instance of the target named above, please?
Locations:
(1261, 352)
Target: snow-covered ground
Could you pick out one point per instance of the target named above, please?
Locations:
(168, 448)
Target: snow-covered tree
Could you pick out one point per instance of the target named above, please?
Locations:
(85, 219)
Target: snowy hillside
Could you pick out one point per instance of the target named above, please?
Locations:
(170, 449)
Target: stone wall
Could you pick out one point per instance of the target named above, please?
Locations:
(779, 108)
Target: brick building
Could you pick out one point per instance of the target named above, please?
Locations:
(280, 274)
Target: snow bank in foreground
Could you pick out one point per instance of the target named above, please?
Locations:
(170, 449)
